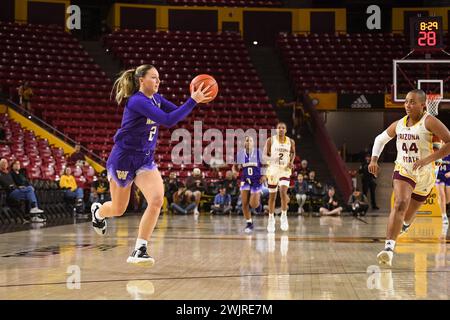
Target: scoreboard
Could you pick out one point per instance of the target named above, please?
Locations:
(426, 33)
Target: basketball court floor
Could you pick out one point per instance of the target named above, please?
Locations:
(212, 258)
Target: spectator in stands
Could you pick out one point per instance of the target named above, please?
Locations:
(232, 186)
(222, 202)
(100, 189)
(183, 202)
(330, 206)
(17, 192)
(71, 190)
(25, 95)
(301, 190)
(315, 188)
(368, 181)
(196, 186)
(171, 186)
(77, 157)
(19, 176)
(358, 203)
(304, 170)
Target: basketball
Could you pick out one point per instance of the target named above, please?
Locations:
(209, 81)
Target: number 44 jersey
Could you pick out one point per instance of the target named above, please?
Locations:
(413, 143)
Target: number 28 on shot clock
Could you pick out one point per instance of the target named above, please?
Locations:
(426, 33)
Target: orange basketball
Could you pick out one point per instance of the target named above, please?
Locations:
(208, 81)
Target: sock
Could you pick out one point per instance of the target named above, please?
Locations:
(390, 244)
(140, 243)
(97, 215)
(284, 212)
(406, 224)
(271, 216)
(249, 220)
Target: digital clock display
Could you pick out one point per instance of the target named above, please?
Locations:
(426, 33)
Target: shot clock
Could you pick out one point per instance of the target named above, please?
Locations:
(426, 33)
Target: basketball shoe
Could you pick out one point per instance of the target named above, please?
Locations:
(140, 257)
(271, 224)
(99, 225)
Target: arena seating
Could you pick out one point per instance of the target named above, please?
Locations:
(227, 3)
(179, 56)
(41, 160)
(71, 92)
(345, 63)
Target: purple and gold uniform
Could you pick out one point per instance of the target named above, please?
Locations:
(135, 141)
(443, 169)
(251, 170)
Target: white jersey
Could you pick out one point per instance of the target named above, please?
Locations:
(280, 153)
(413, 143)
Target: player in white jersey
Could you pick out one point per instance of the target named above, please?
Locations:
(414, 175)
(280, 154)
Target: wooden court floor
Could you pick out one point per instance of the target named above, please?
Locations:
(212, 258)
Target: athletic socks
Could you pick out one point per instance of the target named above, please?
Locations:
(283, 212)
(249, 221)
(140, 243)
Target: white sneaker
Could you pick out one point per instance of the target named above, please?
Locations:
(284, 222)
(271, 225)
(140, 257)
(37, 219)
(385, 257)
(99, 225)
(444, 219)
(36, 210)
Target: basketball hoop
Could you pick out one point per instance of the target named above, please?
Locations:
(432, 103)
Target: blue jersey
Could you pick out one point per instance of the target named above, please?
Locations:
(251, 165)
(142, 117)
(445, 166)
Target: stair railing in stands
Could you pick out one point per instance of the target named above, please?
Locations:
(329, 150)
(51, 129)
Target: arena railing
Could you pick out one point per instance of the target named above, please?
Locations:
(51, 129)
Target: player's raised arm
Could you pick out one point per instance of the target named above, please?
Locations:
(435, 126)
(378, 146)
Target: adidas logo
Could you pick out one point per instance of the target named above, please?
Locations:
(361, 102)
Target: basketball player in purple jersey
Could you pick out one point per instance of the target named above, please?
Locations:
(443, 186)
(132, 157)
(249, 160)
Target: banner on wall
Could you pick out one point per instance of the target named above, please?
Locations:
(389, 103)
(360, 101)
(324, 101)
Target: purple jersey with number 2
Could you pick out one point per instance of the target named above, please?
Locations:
(135, 141)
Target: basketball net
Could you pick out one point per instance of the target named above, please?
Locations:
(433, 103)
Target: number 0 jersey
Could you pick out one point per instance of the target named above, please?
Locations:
(413, 143)
(251, 165)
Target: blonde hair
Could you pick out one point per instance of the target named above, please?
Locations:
(128, 82)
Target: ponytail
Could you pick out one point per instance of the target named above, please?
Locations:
(125, 85)
(128, 82)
